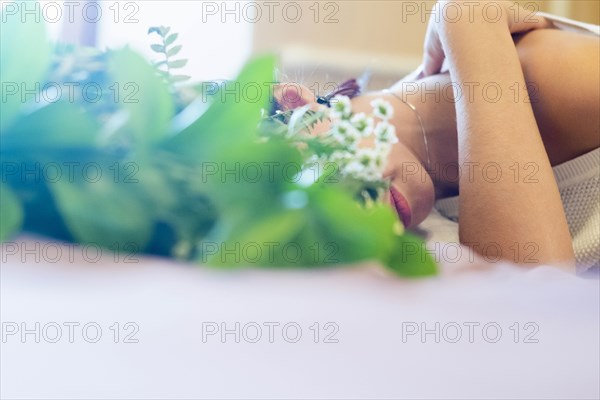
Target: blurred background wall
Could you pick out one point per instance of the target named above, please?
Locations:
(319, 42)
(343, 38)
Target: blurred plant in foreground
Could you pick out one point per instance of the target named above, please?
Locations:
(156, 152)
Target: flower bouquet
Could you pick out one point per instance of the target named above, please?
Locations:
(158, 166)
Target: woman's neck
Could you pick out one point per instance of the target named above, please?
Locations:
(418, 129)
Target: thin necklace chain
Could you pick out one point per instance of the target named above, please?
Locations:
(414, 109)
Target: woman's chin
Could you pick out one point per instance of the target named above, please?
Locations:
(412, 201)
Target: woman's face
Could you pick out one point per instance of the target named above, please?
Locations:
(412, 192)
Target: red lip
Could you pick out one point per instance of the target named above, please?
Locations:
(401, 205)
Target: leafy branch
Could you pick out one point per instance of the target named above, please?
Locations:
(168, 49)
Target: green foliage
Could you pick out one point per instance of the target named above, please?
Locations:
(154, 192)
(26, 132)
(225, 122)
(150, 107)
(103, 213)
(11, 213)
(17, 70)
(168, 51)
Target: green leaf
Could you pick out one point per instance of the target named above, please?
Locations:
(154, 29)
(276, 230)
(410, 258)
(48, 128)
(228, 119)
(103, 212)
(174, 50)
(358, 233)
(151, 108)
(164, 30)
(11, 213)
(20, 70)
(178, 63)
(171, 38)
(159, 48)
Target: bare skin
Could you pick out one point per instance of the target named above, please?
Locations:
(548, 114)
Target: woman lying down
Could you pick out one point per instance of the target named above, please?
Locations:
(539, 126)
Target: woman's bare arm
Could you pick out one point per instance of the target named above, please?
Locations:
(511, 214)
(562, 71)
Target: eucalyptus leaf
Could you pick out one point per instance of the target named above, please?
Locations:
(171, 38)
(174, 50)
(159, 48)
(177, 63)
(164, 30)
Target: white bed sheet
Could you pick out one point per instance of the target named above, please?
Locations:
(170, 302)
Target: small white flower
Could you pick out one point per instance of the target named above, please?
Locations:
(367, 165)
(383, 148)
(370, 157)
(341, 107)
(355, 169)
(363, 124)
(382, 109)
(340, 157)
(386, 133)
(345, 133)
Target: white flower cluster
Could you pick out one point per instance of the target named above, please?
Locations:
(366, 143)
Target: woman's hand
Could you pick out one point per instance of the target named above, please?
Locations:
(451, 13)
